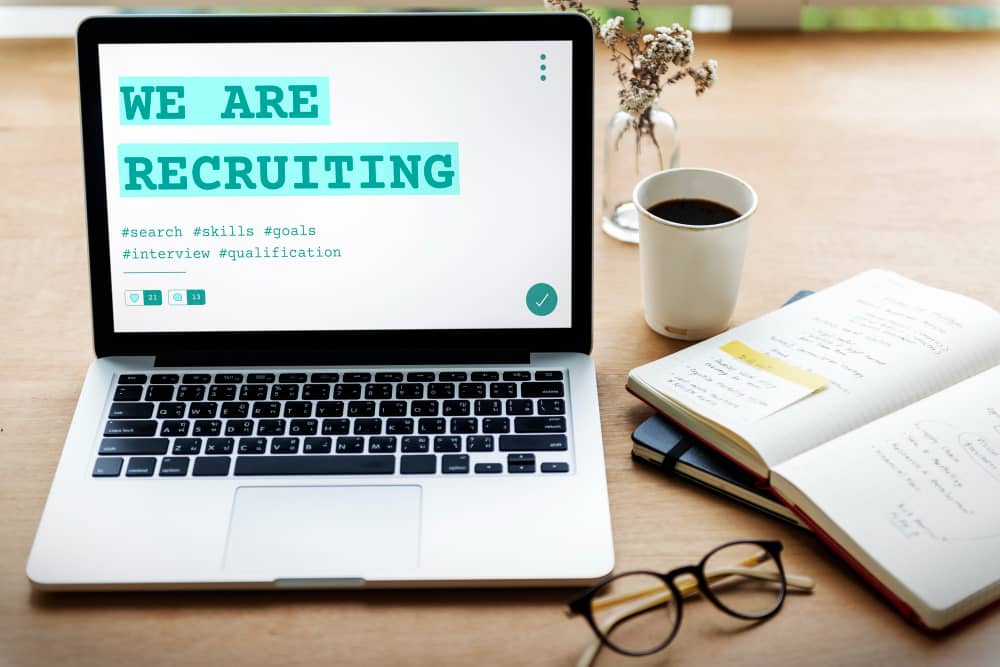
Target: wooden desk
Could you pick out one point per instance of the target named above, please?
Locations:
(866, 150)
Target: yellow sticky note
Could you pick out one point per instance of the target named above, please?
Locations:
(782, 369)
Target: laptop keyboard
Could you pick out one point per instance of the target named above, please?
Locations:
(420, 422)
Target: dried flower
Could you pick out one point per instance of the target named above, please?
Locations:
(643, 61)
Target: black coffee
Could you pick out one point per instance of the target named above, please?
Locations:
(701, 212)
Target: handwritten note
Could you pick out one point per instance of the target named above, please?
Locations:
(735, 383)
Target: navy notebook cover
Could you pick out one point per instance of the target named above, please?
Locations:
(685, 456)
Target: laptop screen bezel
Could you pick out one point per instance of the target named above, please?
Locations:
(341, 28)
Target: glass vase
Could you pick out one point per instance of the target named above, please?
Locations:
(634, 147)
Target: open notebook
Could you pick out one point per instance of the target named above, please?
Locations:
(873, 409)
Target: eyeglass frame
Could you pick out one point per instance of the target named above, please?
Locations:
(581, 604)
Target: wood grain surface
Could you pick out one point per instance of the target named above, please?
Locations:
(866, 151)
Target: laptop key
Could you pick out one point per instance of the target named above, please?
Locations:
(128, 393)
(503, 390)
(409, 390)
(520, 458)
(187, 446)
(485, 376)
(336, 426)
(229, 378)
(165, 378)
(447, 443)
(130, 411)
(388, 377)
(464, 425)
(285, 446)
(472, 389)
(207, 411)
(141, 466)
(357, 377)
(131, 378)
(441, 390)
(207, 427)
(488, 407)
(211, 466)
(170, 410)
(551, 406)
(197, 378)
(175, 427)
(420, 376)
(540, 425)
(284, 392)
(219, 445)
(302, 464)
(488, 468)
(399, 426)
(533, 443)
(382, 444)
(316, 392)
(222, 392)
(430, 425)
(541, 389)
(350, 445)
(555, 466)
(392, 408)
(174, 466)
(191, 392)
(260, 378)
(160, 392)
(293, 378)
(496, 424)
(253, 392)
(234, 410)
(519, 406)
(417, 464)
(110, 467)
(416, 444)
(361, 409)
(132, 446)
(347, 392)
(330, 409)
(298, 409)
(453, 376)
(252, 446)
(452, 464)
(266, 409)
(325, 377)
(516, 376)
(271, 427)
(548, 375)
(424, 408)
(318, 445)
(479, 443)
(131, 427)
(458, 408)
(239, 427)
(303, 427)
(368, 426)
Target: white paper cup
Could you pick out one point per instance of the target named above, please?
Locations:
(691, 274)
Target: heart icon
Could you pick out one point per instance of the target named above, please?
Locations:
(134, 298)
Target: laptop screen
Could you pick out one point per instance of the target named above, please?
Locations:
(338, 186)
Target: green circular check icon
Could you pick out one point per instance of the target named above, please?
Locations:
(541, 299)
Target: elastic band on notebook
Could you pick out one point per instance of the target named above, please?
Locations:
(676, 452)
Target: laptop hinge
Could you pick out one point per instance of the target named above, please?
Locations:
(317, 358)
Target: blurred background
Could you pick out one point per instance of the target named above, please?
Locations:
(59, 18)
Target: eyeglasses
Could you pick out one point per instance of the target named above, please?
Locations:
(639, 612)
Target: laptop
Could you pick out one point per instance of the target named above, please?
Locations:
(341, 277)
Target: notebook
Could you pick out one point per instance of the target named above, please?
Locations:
(870, 408)
(669, 448)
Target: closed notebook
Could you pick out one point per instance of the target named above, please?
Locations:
(872, 409)
(660, 443)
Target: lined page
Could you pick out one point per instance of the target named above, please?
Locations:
(881, 340)
(917, 491)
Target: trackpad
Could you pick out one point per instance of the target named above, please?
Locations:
(324, 531)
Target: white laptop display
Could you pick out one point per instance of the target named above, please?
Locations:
(341, 274)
